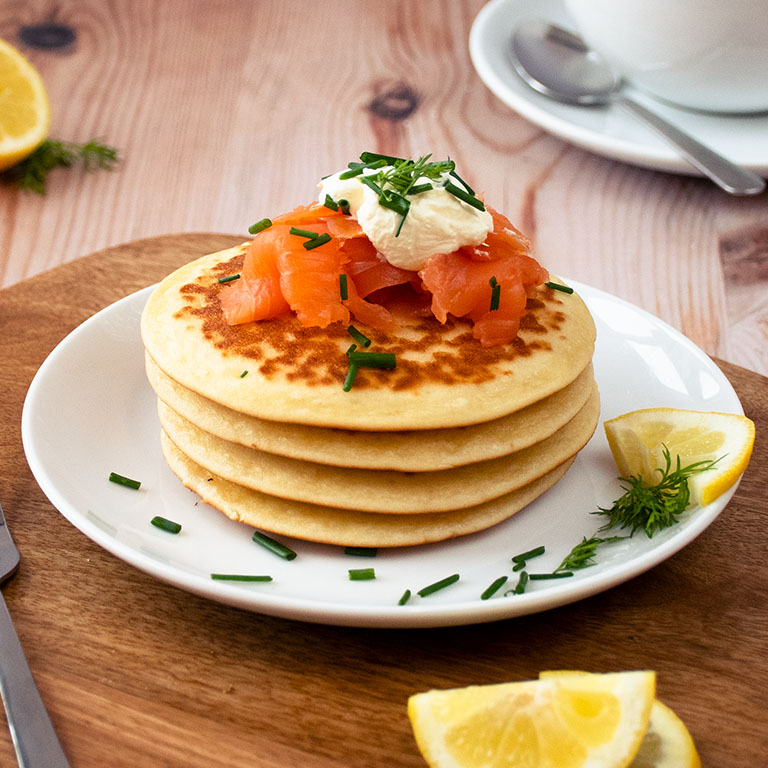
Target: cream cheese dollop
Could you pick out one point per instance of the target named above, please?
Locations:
(437, 221)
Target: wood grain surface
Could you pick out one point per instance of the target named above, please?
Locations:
(228, 111)
(139, 673)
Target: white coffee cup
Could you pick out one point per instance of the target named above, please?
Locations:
(708, 55)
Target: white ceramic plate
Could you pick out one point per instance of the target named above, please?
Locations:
(605, 131)
(90, 411)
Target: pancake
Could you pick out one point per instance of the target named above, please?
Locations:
(408, 451)
(382, 491)
(444, 377)
(347, 527)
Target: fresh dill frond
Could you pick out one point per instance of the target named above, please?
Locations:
(31, 173)
(583, 554)
(654, 507)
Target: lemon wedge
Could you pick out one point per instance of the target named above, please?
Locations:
(637, 440)
(574, 721)
(667, 742)
(25, 113)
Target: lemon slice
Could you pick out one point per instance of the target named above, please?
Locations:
(667, 742)
(25, 113)
(577, 721)
(637, 440)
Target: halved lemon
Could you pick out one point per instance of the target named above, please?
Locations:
(667, 742)
(637, 440)
(25, 113)
(575, 721)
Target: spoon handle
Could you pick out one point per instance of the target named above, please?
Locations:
(731, 177)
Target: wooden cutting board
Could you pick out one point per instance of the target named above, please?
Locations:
(139, 673)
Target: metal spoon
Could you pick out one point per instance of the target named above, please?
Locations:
(559, 64)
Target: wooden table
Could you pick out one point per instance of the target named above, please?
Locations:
(136, 672)
(230, 111)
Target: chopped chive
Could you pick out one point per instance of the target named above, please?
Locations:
(126, 481)
(369, 182)
(519, 566)
(343, 289)
(274, 546)
(344, 206)
(238, 577)
(308, 233)
(317, 241)
(350, 377)
(350, 349)
(243, 374)
(372, 157)
(352, 172)
(361, 551)
(522, 583)
(442, 584)
(495, 293)
(535, 552)
(400, 225)
(331, 203)
(263, 224)
(543, 576)
(360, 338)
(361, 574)
(405, 597)
(373, 359)
(419, 188)
(558, 287)
(464, 196)
(229, 278)
(389, 198)
(466, 186)
(493, 588)
(165, 525)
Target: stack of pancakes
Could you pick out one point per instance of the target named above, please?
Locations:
(456, 438)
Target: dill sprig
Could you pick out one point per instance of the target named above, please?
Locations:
(31, 173)
(583, 554)
(654, 507)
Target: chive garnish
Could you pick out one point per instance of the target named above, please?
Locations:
(350, 377)
(372, 157)
(466, 186)
(126, 481)
(361, 551)
(373, 359)
(229, 278)
(343, 290)
(419, 188)
(263, 224)
(361, 574)
(308, 233)
(558, 287)
(369, 182)
(274, 546)
(352, 172)
(495, 293)
(238, 577)
(442, 584)
(554, 575)
(164, 524)
(464, 196)
(535, 552)
(360, 338)
(350, 349)
(493, 588)
(344, 206)
(522, 583)
(243, 374)
(405, 597)
(317, 241)
(390, 198)
(331, 203)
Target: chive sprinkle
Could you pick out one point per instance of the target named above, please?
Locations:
(229, 278)
(373, 359)
(493, 588)
(495, 293)
(243, 374)
(466, 186)
(308, 233)
(372, 157)
(442, 584)
(350, 349)
(369, 182)
(405, 597)
(344, 206)
(164, 524)
(274, 546)
(535, 552)
(317, 241)
(259, 226)
(343, 290)
(238, 577)
(126, 481)
(361, 574)
(419, 188)
(352, 172)
(361, 551)
(360, 338)
(349, 380)
(543, 576)
(464, 196)
(331, 203)
(522, 583)
(558, 287)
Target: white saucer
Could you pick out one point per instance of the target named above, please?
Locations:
(606, 131)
